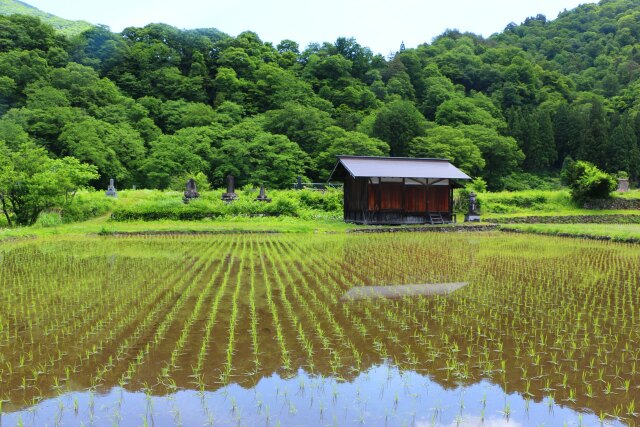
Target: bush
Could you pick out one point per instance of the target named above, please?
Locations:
(87, 205)
(179, 183)
(148, 205)
(525, 181)
(587, 182)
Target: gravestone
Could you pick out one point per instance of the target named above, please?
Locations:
(191, 192)
(299, 185)
(472, 215)
(262, 197)
(111, 189)
(623, 185)
(230, 195)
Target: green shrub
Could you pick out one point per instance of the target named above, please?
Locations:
(87, 205)
(328, 200)
(179, 183)
(523, 181)
(48, 219)
(587, 182)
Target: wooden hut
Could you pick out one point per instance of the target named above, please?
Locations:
(397, 190)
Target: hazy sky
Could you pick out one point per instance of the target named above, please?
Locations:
(380, 25)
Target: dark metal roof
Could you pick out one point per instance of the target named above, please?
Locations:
(399, 167)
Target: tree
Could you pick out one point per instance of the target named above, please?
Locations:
(190, 150)
(301, 124)
(446, 142)
(397, 124)
(597, 137)
(272, 160)
(117, 151)
(501, 153)
(340, 141)
(30, 182)
(623, 153)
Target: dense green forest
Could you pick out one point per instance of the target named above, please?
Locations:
(151, 104)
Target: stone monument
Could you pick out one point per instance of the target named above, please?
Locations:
(191, 192)
(262, 197)
(299, 185)
(472, 215)
(111, 189)
(623, 185)
(230, 195)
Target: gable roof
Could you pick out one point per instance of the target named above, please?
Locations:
(396, 167)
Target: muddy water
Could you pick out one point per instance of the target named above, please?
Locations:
(249, 330)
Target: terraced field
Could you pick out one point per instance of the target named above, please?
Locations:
(255, 328)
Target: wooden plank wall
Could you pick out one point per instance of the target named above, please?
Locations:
(388, 196)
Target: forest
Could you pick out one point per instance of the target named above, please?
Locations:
(150, 106)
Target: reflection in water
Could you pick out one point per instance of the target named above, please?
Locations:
(382, 395)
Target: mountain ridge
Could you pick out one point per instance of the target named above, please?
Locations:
(65, 26)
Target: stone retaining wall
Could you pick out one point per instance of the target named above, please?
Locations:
(571, 219)
(433, 229)
(632, 240)
(613, 204)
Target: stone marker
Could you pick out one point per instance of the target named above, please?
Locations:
(111, 190)
(191, 192)
(230, 195)
(299, 185)
(262, 197)
(472, 215)
(623, 185)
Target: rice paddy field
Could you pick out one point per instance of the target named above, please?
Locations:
(255, 329)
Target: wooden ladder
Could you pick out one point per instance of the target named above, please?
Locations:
(436, 218)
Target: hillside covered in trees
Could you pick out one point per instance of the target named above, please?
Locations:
(151, 104)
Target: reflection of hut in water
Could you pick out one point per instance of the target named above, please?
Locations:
(397, 190)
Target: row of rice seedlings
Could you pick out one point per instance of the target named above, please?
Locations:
(295, 321)
(212, 318)
(252, 309)
(204, 295)
(285, 354)
(233, 319)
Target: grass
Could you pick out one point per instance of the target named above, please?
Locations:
(614, 231)
(104, 225)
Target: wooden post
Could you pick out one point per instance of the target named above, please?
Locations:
(403, 198)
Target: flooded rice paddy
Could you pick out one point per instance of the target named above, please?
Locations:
(256, 330)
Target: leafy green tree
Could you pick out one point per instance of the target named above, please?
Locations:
(190, 150)
(272, 160)
(437, 90)
(501, 153)
(301, 124)
(342, 142)
(116, 151)
(30, 182)
(397, 123)
(446, 142)
(466, 111)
